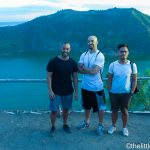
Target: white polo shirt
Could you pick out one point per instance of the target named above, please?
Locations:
(92, 82)
(121, 82)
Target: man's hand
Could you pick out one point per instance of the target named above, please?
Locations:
(51, 95)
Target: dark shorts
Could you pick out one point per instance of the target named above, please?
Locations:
(94, 100)
(121, 101)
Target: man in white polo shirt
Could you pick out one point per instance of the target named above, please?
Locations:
(122, 81)
(91, 65)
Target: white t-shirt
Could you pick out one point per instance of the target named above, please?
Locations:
(121, 82)
(92, 82)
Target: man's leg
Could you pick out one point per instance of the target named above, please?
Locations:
(66, 102)
(125, 101)
(101, 116)
(87, 96)
(114, 99)
(100, 128)
(125, 131)
(125, 118)
(86, 103)
(65, 116)
(100, 104)
(53, 115)
(114, 117)
(54, 106)
(87, 115)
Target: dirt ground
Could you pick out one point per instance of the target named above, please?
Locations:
(30, 131)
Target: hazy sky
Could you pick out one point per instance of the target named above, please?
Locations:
(23, 10)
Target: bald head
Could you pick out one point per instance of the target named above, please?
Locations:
(92, 42)
(92, 37)
(66, 45)
(65, 50)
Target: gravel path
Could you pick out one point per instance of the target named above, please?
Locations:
(26, 131)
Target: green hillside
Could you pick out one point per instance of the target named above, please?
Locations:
(112, 26)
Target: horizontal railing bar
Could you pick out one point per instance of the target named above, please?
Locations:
(22, 80)
(44, 80)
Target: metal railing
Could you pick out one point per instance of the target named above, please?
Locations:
(44, 80)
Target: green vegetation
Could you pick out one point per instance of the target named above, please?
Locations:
(112, 26)
(141, 100)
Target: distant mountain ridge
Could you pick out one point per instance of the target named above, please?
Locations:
(5, 24)
(112, 26)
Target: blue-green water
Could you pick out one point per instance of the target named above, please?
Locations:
(32, 65)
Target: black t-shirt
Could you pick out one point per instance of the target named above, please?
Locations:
(62, 73)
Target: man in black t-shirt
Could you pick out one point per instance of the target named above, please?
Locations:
(61, 70)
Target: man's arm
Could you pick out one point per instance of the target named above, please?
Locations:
(134, 83)
(93, 70)
(49, 82)
(80, 68)
(75, 83)
(110, 77)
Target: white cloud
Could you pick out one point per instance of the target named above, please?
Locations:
(29, 9)
(22, 3)
(72, 4)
